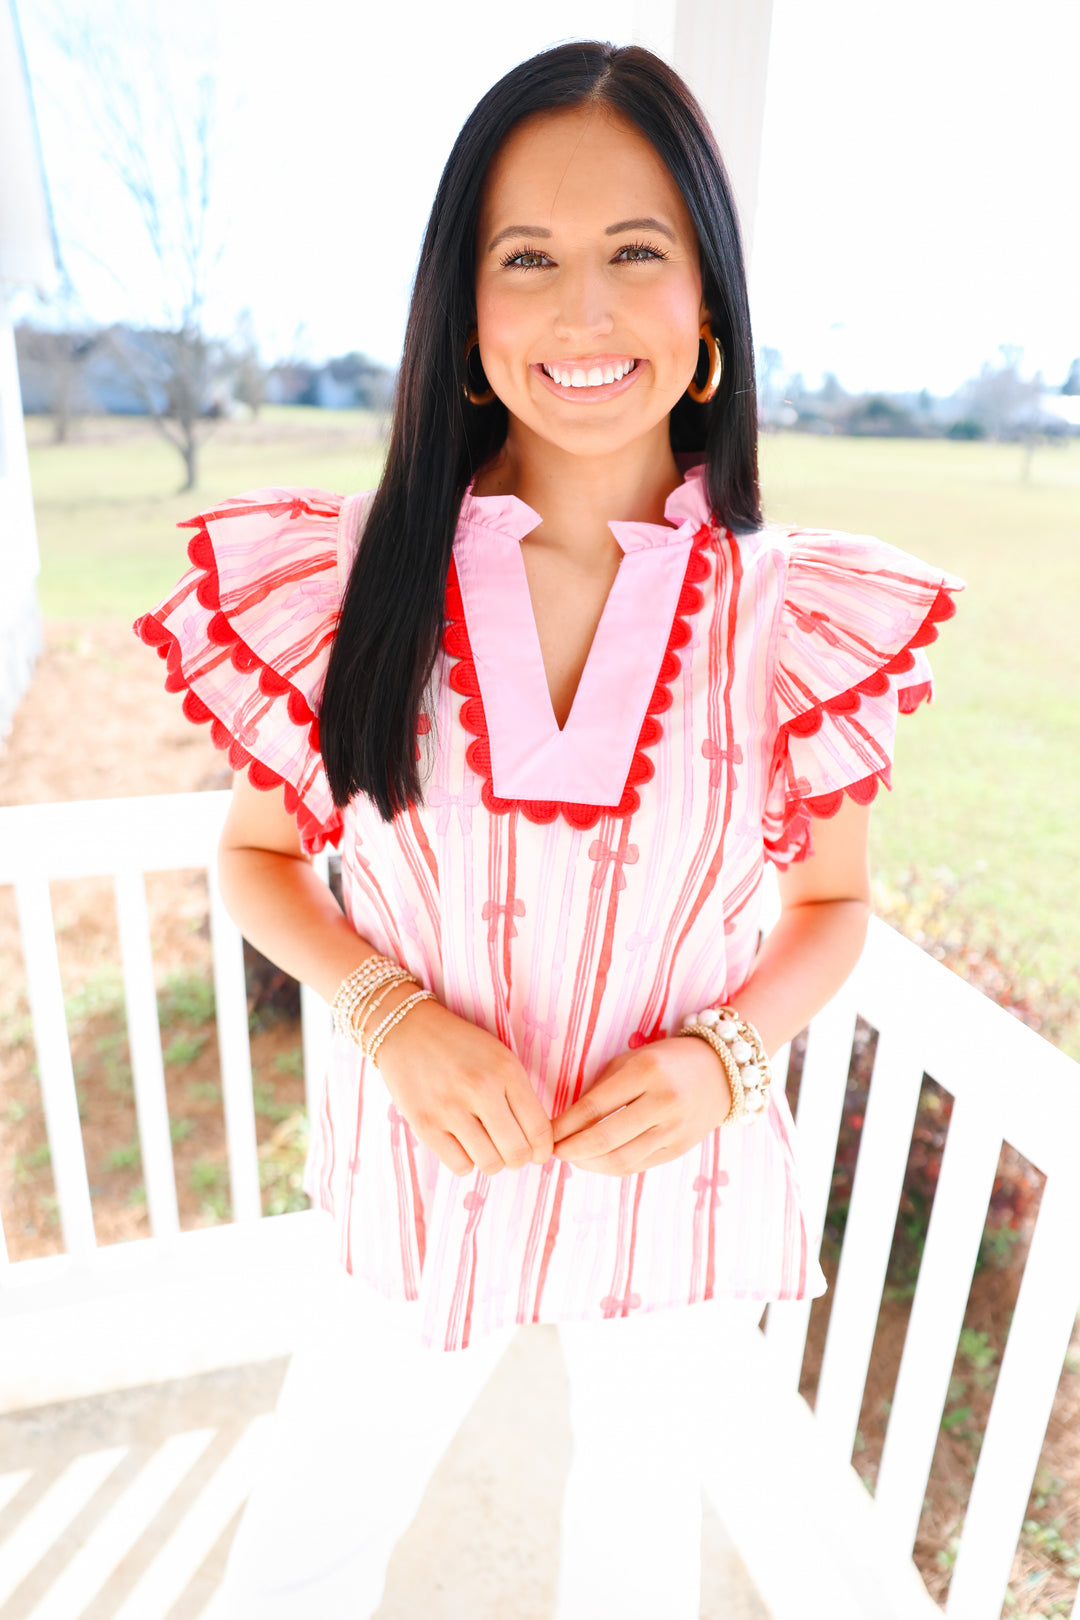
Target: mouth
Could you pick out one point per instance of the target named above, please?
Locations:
(596, 377)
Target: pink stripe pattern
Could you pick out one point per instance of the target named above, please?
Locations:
(569, 939)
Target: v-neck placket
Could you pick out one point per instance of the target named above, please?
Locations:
(588, 761)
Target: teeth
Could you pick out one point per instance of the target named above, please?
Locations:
(595, 377)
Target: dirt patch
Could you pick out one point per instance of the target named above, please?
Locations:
(97, 723)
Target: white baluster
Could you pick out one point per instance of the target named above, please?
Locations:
(1039, 1336)
(144, 1040)
(968, 1167)
(875, 1196)
(58, 1095)
(230, 994)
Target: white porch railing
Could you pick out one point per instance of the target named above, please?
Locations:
(814, 1540)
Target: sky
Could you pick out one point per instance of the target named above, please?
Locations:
(917, 202)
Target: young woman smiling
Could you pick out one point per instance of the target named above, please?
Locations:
(558, 694)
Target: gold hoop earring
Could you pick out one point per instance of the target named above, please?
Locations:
(708, 388)
(486, 396)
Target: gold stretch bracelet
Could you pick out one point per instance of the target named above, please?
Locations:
(374, 971)
(395, 1018)
(735, 1039)
(737, 1112)
(371, 1005)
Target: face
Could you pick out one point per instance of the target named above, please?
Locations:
(588, 283)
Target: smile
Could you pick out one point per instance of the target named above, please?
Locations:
(595, 378)
(588, 373)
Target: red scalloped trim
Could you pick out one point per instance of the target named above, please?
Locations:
(824, 806)
(314, 833)
(876, 684)
(464, 679)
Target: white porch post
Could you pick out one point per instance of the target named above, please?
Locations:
(721, 48)
(27, 259)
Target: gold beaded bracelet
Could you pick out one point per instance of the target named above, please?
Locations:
(393, 1018)
(740, 1048)
(362, 991)
(357, 986)
(363, 1013)
(737, 1112)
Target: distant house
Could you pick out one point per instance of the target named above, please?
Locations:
(119, 371)
(338, 385)
(28, 258)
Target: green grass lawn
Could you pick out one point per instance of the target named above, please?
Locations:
(987, 778)
(107, 506)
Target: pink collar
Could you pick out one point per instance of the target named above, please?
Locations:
(588, 762)
(513, 518)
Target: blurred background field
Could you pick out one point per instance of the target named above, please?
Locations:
(976, 844)
(974, 849)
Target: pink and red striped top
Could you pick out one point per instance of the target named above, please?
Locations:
(576, 892)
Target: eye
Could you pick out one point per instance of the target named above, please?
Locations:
(639, 253)
(525, 258)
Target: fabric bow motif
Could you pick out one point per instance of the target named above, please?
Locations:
(491, 911)
(719, 756)
(604, 855)
(815, 621)
(612, 1306)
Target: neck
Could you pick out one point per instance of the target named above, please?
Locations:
(577, 496)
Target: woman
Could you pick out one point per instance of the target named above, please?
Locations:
(570, 695)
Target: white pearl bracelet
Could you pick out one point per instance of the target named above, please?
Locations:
(745, 1048)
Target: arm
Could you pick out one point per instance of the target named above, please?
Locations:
(464, 1094)
(276, 899)
(818, 939)
(653, 1105)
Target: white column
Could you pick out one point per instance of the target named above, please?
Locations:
(20, 618)
(27, 258)
(721, 48)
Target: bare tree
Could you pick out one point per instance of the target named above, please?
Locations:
(51, 370)
(249, 373)
(157, 139)
(1000, 398)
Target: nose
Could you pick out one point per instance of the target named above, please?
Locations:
(584, 307)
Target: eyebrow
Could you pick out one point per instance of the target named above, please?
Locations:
(648, 224)
(517, 230)
(640, 225)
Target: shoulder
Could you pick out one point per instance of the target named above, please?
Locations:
(839, 588)
(273, 534)
(246, 634)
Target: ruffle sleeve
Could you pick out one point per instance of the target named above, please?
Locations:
(856, 617)
(246, 637)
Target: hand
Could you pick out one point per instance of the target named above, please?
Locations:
(463, 1092)
(646, 1108)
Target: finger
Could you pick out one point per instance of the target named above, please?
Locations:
(664, 1155)
(532, 1117)
(450, 1152)
(629, 1158)
(603, 1097)
(504, 1129)
(608, 1134)
(478, 1145)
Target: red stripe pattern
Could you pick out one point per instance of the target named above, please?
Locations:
(570, 932)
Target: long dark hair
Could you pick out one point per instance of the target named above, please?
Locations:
(392, 614)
